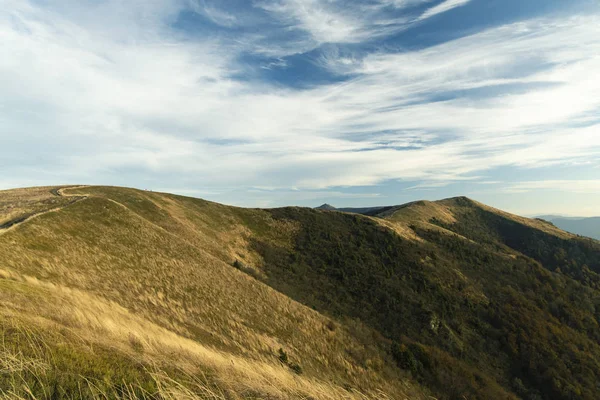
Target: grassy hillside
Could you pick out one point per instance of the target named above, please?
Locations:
(120, 293)
(147, 281)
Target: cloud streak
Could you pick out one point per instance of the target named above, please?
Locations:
(591, 186)
(148, 107)
(443, 7)
(340, 22)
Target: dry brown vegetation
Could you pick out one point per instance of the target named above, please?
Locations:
(149, 276)
(530, 222)
(21, 203)
(115, 293)
(422, 213)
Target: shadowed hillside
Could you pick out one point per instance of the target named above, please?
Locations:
(120, 293)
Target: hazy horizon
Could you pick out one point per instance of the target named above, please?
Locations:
(304, 102)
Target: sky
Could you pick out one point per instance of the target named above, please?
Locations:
(267, 103)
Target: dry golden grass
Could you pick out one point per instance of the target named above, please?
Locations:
(146, 280)
(531, 222)
(150, 275)
(418, 213)
(107, 324)
(24, 202)
(29, 371)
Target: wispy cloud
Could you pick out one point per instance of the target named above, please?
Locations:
(443, 7)
(217, 15)
(325, 22)
(570, 186)
(337, 21)
(143, 106)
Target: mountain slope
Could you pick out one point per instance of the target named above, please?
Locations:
(452, 299)
(470, 303)
(164, 262)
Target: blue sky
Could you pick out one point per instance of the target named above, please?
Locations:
(300, 102)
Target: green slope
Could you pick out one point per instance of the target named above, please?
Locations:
(481, 304)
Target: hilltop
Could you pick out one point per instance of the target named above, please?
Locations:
(327, 207)
(121, 293)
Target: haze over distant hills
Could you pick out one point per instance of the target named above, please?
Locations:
(585, 226)
(118, 293)
(356, 210)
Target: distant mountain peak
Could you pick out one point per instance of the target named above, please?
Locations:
(326, 207)
(460, 200)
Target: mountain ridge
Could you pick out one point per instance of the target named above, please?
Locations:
(452, 299)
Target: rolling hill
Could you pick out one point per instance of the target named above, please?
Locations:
(119, 293)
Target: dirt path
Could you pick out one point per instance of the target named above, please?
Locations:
(60, 191)
(13, 223)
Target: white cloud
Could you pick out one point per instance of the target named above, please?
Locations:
(215, 14)
(321, 19)
(403, 3)
(336, 21)
(591, 186)
(443, 7)
(144, 108)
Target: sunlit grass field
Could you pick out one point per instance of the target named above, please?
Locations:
(128, 293)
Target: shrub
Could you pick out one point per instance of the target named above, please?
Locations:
(283, 357)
